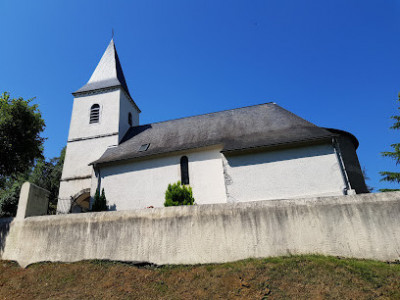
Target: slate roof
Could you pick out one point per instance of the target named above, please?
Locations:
(108, 73)
(239, 129)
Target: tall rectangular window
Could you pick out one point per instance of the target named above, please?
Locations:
(184, 170)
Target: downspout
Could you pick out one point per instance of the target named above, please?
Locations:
(347, 190)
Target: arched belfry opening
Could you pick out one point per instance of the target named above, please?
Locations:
(81, 202)
(94, 114)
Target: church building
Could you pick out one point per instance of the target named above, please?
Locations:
(260, 152)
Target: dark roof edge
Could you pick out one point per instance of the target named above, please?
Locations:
(352, 137)
(102, 89)
(294, 143)
(96, 163)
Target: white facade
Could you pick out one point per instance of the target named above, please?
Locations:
(311, 171)
(215, 178)
(139, 184)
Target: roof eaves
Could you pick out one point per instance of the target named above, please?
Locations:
(278, 145)
(338, 132)
(147, 155)
(82, 91)
(224, 150)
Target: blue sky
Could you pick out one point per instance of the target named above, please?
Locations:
(334, 63)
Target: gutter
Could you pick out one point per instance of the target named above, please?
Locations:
(347, 190)
(226, 151)
(296, 143)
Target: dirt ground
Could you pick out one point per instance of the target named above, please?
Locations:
(300, 277)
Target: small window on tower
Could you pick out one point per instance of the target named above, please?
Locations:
(94, 113)
(130, 119)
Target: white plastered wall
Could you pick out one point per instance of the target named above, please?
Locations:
(67, 190)
(87, 142)
(297, 172)
(126, 107)
(109, 112)
(80, 154)
(139, 184)
(66, 187)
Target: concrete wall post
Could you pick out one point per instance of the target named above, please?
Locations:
(33, 201)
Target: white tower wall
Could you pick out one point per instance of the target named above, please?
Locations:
(88, 141)
(127, 106)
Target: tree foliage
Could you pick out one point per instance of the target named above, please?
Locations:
(46, 174)
(9, 194)
(20, 143)
(100, 201)
(366, 178)
(394, 154)
(178, 194)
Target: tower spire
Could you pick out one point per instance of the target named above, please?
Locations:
(108, 72)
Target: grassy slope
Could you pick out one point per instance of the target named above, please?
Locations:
(301, 277)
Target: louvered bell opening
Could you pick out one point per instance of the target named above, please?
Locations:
(94, 114)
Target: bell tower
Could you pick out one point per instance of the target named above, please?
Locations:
(103, 111)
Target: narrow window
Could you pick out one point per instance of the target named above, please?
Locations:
(130, 119)
(94, 113)
(184, 170)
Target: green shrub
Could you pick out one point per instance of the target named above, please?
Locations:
(178, 194)
(100, 201)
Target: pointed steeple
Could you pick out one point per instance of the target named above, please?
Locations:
(108, 73)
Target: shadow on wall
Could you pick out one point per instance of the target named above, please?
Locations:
(278, 155)
(4, 229)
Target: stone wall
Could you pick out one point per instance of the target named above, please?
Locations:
(362, 226)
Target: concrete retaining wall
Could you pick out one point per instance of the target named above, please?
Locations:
(362, 226)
